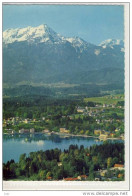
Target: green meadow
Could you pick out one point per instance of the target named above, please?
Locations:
(110, 99)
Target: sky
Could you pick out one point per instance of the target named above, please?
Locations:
(93, 23)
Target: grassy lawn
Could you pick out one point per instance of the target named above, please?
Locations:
(106, 99)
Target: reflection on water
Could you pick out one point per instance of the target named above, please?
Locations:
(18, 144)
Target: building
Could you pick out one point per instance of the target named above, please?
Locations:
(13, 132)
(122, 136)
(119, 166)
(64, 130)
(49, 178)
(46, 131)
(104, 105)
(81, 110)
(26, 121)
(70, 179)
(113, 105)
(120, 175)
(112, 134)
(116, 130)
(97, 178)
(103, 137)
(82, 177)
(97, 132)
(59, 164)
(21, 131)
(32, 130)
(102, 172)
(98, 121)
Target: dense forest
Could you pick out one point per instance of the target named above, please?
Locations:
(56, 165)
(34, 106)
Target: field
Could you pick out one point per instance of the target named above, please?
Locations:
(110, 99)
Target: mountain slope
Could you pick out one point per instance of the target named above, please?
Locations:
(39, 54)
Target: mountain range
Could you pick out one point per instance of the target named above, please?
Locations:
(40, 55)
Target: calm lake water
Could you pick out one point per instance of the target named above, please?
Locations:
(15, 145)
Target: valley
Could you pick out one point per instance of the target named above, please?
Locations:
(63, 107)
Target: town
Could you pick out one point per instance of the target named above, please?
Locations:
(105, 121)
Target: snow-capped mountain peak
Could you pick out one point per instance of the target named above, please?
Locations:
(111, 43)
(42, 33)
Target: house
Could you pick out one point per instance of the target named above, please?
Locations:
(21, 131)
(113, 105)
(26, 121)
(119, 166)
(46, 131)
(112, 134)
(70, 179)
(97, 179)
(104, 105)
(13, 121)
(32, 130)
(103, 137)
(64, 130)
(98, 121)
(116, 130)
(49, 178)
(120, 175)
(97, 132)
(59, 164)
(81, 110)
(13, 132)
(43, 118)
(82, 177)
(4, 124)
(122, 136)
(102, 172)
(86, 107)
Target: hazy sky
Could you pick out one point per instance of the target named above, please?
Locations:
(92, 23)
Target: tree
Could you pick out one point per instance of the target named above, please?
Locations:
(82, 132)
(115, 160)
(42, 174)
(109, 162)
(58, 173)
(13, 169)
(91, 173)
(87, 132)
(25, 115)
(22, 162)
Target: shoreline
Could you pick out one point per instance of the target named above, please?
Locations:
(64, 135)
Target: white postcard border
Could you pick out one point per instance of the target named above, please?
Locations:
(88, 185)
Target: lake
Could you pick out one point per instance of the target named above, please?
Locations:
(15, 145)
